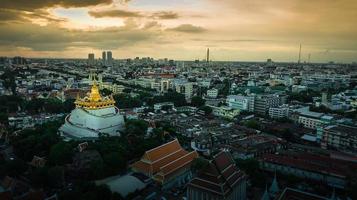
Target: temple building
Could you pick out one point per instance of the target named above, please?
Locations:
(220, 179)
(169, 164)
(94, 115)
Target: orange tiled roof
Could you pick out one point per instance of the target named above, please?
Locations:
(170, 169)
(164, 160)
(149, 167)
(160, 151)
(180, 162)
(168, 159)
(142, 167)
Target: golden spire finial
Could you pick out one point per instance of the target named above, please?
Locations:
(94, 94)
(94, 100)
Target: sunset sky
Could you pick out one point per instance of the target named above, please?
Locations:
(237, 30)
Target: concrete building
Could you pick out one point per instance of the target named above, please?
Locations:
(341, 137)
(212, 93)
(241, 102)
(225, 112)
(109, 58)
(91, 59)
(262, 103)
(165, 84)
(186, 89)
(280, 112)
(310, 166)
(104, 57)
(310, 120)
(159, 106)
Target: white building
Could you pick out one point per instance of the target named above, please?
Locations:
(212, 93)
(159, 106)
(225, 112)
(241, 102)
(341, 137)
(279, 112)
(186, 89)
(94, 115)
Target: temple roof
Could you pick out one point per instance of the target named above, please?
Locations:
(219, 177)
(274, 188)
(266, 194)
(94, 100)
(163, 161)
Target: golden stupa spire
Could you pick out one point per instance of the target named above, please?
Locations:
(94, 94)
(94, 100)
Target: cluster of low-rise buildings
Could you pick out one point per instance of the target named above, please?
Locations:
(235, 92)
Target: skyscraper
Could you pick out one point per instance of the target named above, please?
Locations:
(104, 57)
(109, 58)
(299, 55)
(207, 57)
(91, 59)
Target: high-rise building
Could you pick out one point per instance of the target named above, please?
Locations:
(186, 89)
(19, 60)
(104, 57)
(262, 103)
(91, 59)
(109, 58)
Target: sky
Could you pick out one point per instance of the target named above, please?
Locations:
(234, 30)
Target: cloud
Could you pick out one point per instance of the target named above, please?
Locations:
(114, 13)
(38, 16)
(188, 28)
(9, 15)
(134, 14)
(29, 5)
(54, 38)
(165, 15)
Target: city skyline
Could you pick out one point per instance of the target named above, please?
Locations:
(233, 30)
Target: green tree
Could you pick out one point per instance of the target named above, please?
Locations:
(197, 101)
(251, 167)
(252, 124)
(208, 110)
(61, 153)
(3, 118)
(8, 78)
(106, 92)
(136, 127)
(14, 168)
(224, 91)
(55, 177)
(114, 162)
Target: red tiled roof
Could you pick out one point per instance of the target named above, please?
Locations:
(163, 161)
(319, 164)
(178, 163)
(219, 177)
(160, 151)
(293, 194)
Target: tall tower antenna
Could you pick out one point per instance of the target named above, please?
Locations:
(299, 55)
(207, 55)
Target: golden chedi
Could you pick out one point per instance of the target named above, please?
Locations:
(93, 115)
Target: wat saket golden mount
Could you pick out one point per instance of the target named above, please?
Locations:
(94, 100)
